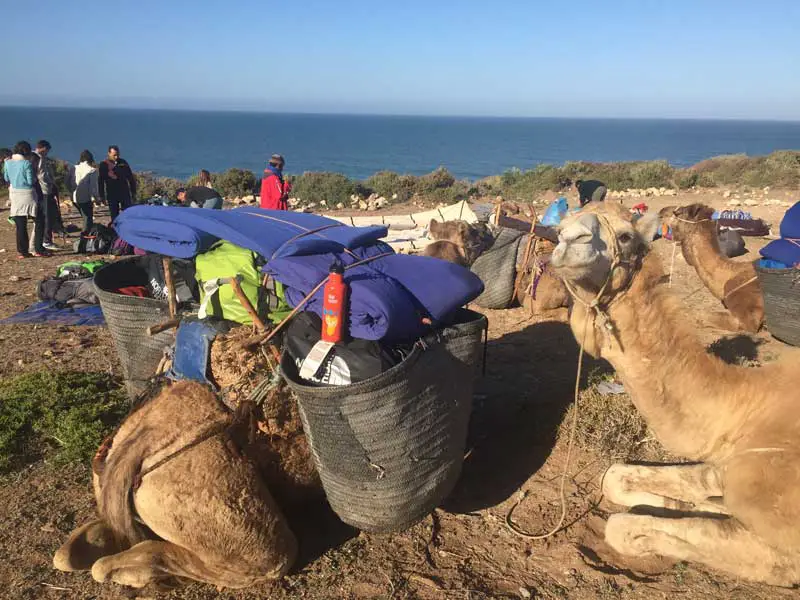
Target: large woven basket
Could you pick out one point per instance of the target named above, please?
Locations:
(781, 291)
(128, 318)
(497, 268)
(390, 449)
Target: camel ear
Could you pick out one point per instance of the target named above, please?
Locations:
(647, 226)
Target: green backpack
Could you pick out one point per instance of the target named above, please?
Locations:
(78, 270)
(225, 260)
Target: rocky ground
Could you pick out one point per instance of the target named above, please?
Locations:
(464, 549)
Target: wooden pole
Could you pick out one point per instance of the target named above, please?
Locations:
(245, 302)
(173, 305)
(158, 328)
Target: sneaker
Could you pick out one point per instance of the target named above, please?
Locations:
(50, 246)
(11, 220)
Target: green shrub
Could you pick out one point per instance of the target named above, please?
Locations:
(149, 185)
(318, 186)
(656, 173)
(389, 183)
(68, 413)
(234, 183)
(439, 179)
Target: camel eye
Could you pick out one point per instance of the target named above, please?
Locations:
(625, 238)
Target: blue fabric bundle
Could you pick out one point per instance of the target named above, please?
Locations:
(389, 296)
(787, 249)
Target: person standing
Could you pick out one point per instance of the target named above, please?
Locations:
(274, 190)
(20, 174)
(590, 190)
(116, 182)
(202, 195)
(49, 194)
(86, 189)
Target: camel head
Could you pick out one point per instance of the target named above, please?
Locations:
(471, 239)
(600, 247)
(686, 220)
(599, 252)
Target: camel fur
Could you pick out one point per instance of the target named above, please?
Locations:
(458, 241)
(738, 505)
(203, 512)
(732, 282)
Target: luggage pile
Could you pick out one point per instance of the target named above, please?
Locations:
(235, 300)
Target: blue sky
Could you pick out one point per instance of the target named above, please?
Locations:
(613, 58)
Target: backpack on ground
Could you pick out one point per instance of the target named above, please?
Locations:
(98, 240)
(68, 292)
(78, 270)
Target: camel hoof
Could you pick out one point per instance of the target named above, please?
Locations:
(84, 547)
(624, 534)
(615, 487)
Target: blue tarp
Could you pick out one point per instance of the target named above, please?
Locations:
(389, 296)
(787, 249)
(57, 314)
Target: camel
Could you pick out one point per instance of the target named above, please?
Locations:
(734, 283)
(458, 241)
(738, 504)
(177, 500)
(537, 289)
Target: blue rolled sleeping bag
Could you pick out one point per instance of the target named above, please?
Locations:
(787, 249)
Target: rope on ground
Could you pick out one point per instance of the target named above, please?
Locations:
(515, 529)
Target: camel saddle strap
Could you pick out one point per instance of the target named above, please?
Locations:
(220, 428)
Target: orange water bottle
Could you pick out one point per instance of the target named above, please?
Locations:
(334, 305)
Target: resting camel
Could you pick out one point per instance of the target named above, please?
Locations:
(733, 282)
(176, 499)
(458, 241)
(538, 289)
(739, 504)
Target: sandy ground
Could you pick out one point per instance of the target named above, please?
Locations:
(463, 550)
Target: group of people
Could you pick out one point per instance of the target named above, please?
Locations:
(33, 191)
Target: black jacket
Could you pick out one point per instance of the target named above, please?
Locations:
(116, 180)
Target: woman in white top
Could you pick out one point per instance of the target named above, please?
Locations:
(85, 188)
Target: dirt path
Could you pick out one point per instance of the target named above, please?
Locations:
(464, 550)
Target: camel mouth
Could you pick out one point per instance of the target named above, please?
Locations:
(571, 262)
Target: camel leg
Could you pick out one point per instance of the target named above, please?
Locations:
(722, 544)
(85, 545)
(155, 561)
(692, 488)
(725, 321)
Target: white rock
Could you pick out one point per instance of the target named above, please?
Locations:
(394, 196)
(381, 203)
(766, 190)
(293, 201)
(670, 192)
(734, 203)
(311, 205)
(323, 203)
(362, 205)
(340, 206)
(726, 194)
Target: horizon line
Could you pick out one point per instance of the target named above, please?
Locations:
(391, 114)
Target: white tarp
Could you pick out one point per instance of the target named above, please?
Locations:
(408, 233)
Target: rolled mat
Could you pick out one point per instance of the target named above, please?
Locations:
(390, 449)
(497, 269)
(128, 318)
(781, 291)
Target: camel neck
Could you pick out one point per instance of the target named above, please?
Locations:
(674, 382)
(701, 250)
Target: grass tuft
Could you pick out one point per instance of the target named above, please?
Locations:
(60, 415)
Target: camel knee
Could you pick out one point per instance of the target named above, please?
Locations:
(84, 547)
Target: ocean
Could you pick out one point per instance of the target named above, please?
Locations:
(179, 143)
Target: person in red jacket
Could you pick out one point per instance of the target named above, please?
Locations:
(274, 190)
